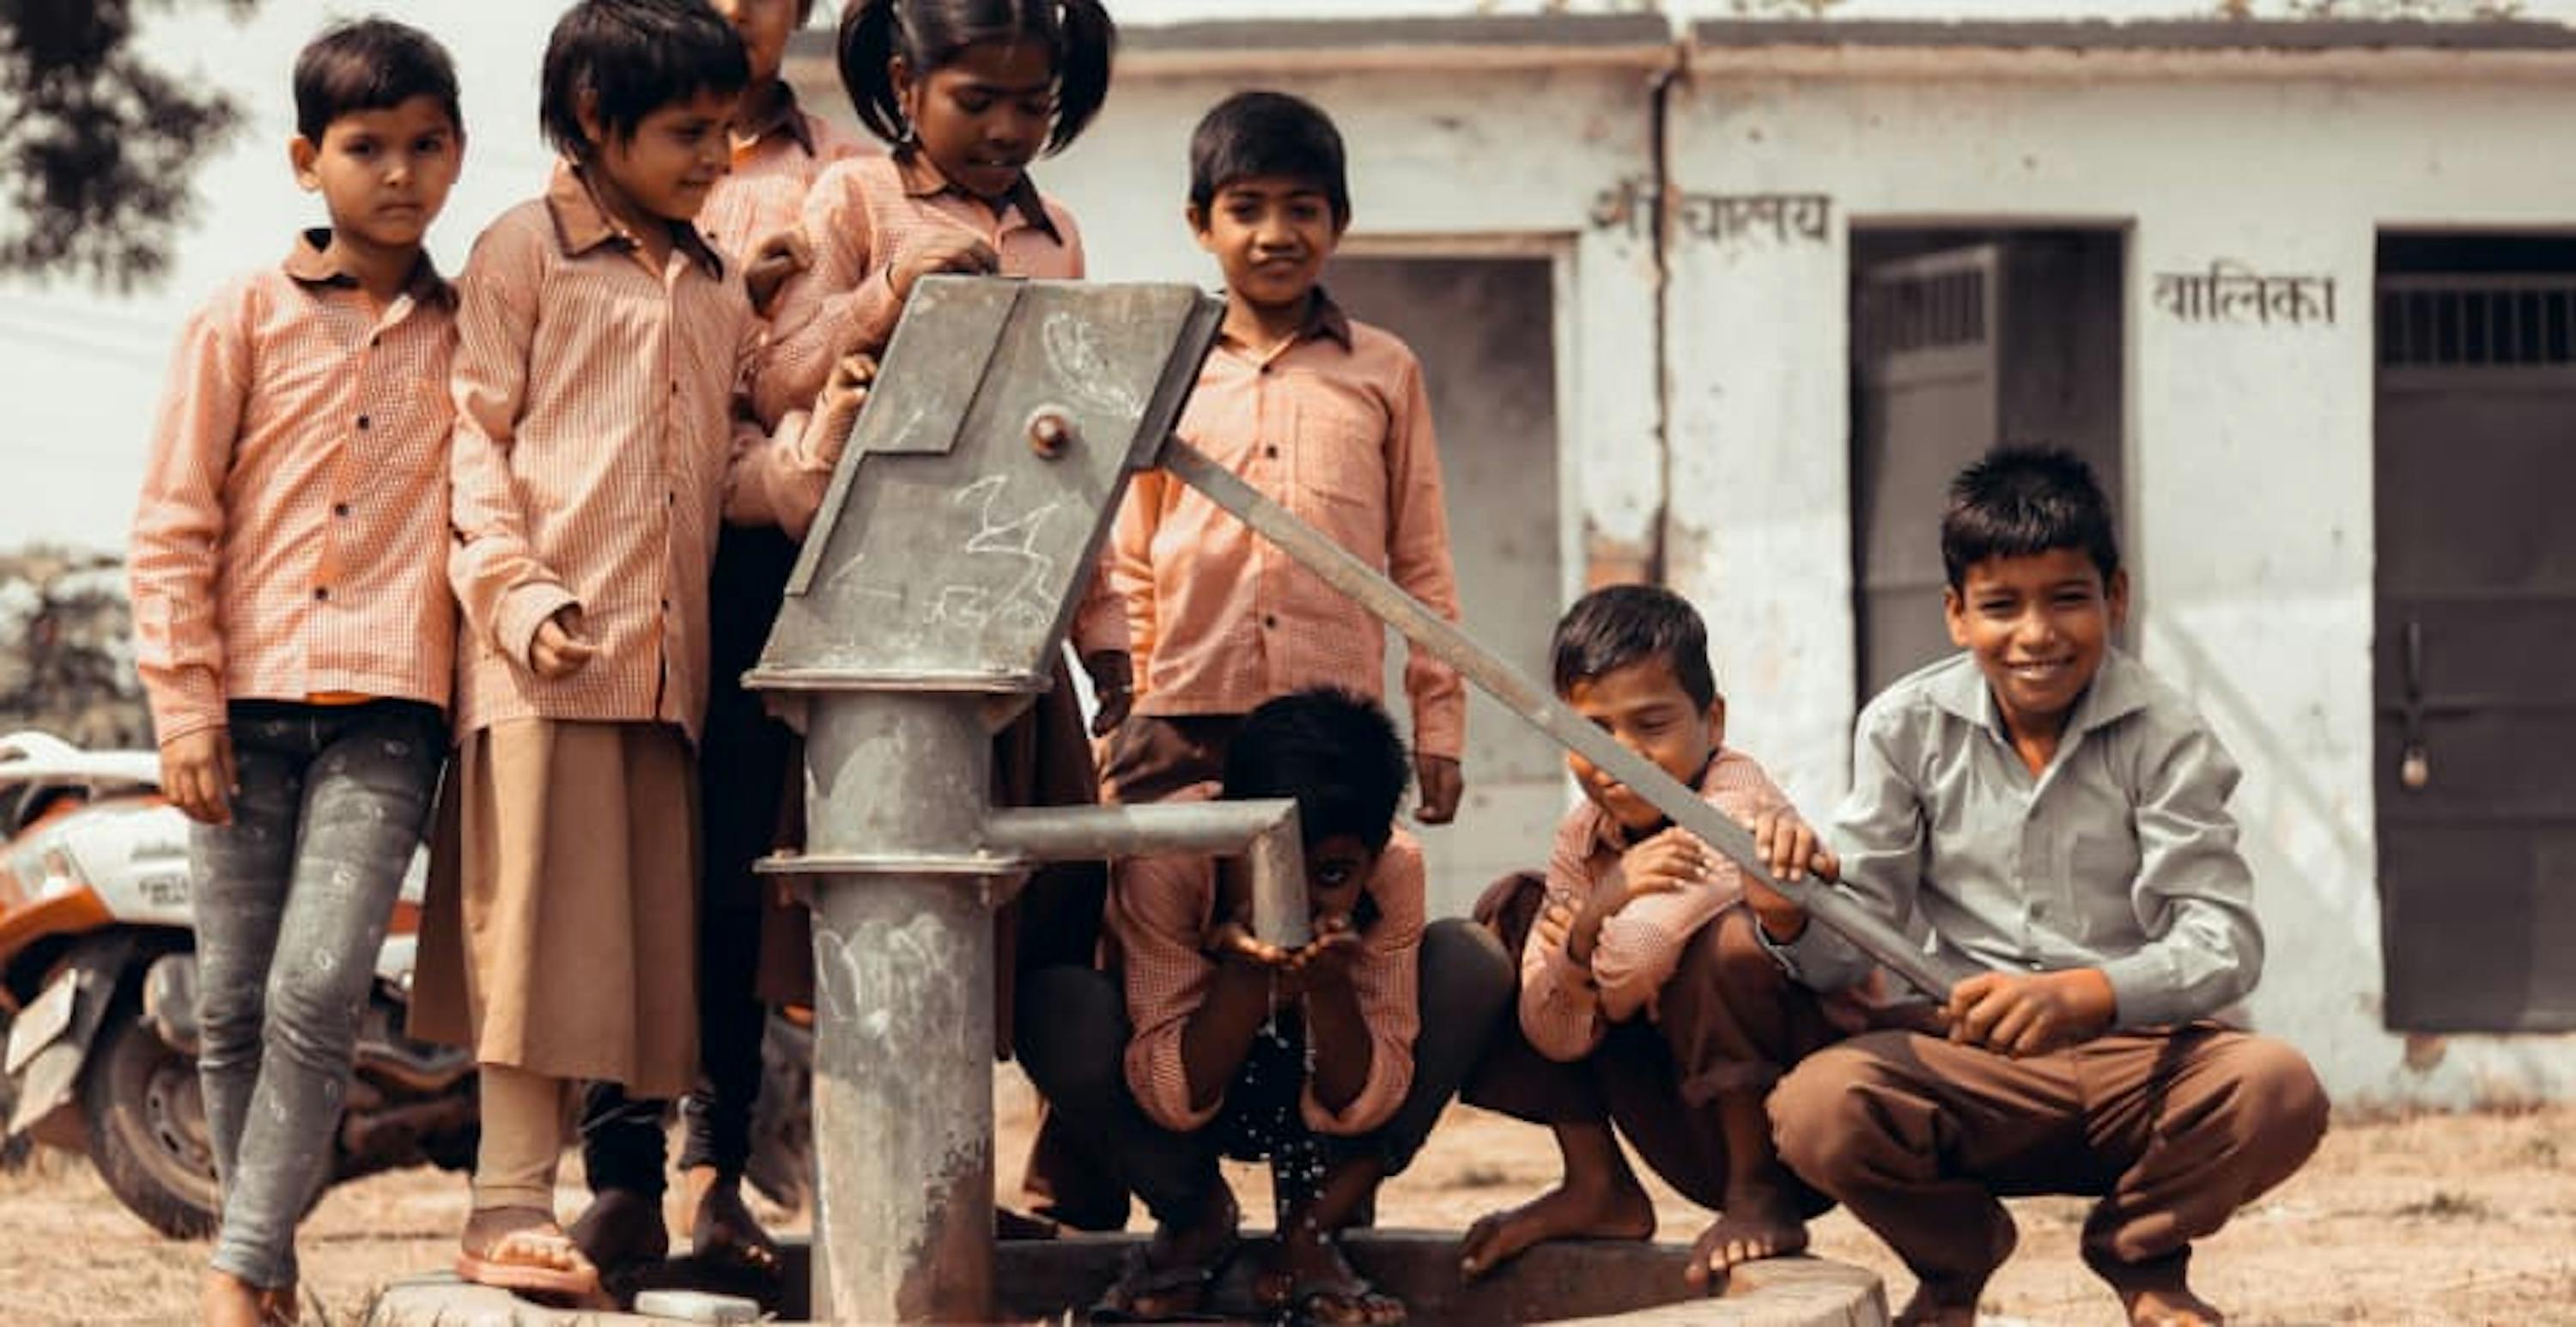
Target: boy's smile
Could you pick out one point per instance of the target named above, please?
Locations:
(383, 174)
(1644, 708)
(673, 159)
(1271, 234)
(2038, 625)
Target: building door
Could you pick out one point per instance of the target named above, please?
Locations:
(1957, 346)
(2474, 661)
(1484, 328)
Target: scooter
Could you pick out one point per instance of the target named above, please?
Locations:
(98, 978)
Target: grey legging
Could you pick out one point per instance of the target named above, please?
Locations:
(292, 901)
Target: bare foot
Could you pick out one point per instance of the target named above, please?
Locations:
(1613, 1210)
(1760, 1221)
(229, 1301)
(1924, 1310)
(621, 1230)
(721, 1226)
(2170, 1308)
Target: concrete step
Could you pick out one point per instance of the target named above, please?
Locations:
(1587, 1282)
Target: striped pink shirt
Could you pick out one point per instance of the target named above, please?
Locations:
(292, 527)
(775, 164)
(1335, 426)
(597, 446)
(862, 217)
(1160, 912)
(1564, 1015)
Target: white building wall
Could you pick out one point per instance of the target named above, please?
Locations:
(2251, 447)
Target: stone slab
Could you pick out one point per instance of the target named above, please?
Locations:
(1584, 1282)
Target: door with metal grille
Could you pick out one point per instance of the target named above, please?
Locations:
(2475, 654)
(1928, 401)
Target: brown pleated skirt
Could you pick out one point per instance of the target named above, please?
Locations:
(560, 931)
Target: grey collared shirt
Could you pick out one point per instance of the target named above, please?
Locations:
(2120, 855)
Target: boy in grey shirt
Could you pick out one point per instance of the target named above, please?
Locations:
(2053, 814)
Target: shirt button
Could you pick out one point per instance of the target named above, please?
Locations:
(376, 342)
(340, 509)
(670, 499)
(362, 421)
(1271, 451)
(321, 592)
(1270, 620)
(675, 387)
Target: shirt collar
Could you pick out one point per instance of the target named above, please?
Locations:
(1325, 321)
(582, 225)
(921, 179)
(785, 117)
(309, 261)
(2118, 690)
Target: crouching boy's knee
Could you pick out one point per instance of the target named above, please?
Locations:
(2284, 1109)
(1823, 1121)
(1071, 1035)
(1473, 975)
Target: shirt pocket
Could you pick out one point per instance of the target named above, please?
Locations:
(1340, 461)
(2101, 879)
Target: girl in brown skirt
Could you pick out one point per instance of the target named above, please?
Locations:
(600, 342)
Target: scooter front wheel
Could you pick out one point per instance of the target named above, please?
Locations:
(147, 1127)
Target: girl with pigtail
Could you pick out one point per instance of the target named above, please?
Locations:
(967, 93)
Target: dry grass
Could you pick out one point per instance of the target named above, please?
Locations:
(2419, 1219)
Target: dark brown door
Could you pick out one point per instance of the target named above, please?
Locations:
(2475, 654)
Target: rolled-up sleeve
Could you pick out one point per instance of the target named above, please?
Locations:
(179, 524)
(2194, 892)
(506, 592)
(1158, 917)
(1387, 978)
(1560, 1008)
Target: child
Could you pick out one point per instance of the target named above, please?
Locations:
(2054, 813)
(969, 92)
(1232, 1046)
(1646, 1001)
(744, 757)
(601, 339)
(293, 631)
(1323, 414)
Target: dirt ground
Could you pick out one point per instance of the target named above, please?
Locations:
(2429, 1219)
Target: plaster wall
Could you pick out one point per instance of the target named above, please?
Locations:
(2249, 522)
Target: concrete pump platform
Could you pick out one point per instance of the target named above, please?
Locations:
(1588, 1282)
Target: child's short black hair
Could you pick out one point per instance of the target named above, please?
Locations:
(2017, 501)
(634, 57)
(1268, 133)
(1618, 625)
(930, 33)
(1332, 750)
(374, 64)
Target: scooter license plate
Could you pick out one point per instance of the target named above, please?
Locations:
(44, 1018)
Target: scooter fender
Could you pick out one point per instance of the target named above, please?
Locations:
(49, 1042)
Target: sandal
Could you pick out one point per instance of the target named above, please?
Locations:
(1341, 1298)
(524, 1261)
(1139, 1281)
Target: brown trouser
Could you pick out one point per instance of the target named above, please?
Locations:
(1728, 1020)
(2173, 1130)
